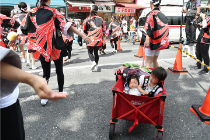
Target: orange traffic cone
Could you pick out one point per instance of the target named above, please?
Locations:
(178, 62)
(203, 112)
(140, 52)
(118, 45)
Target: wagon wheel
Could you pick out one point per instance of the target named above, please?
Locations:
(159, 135)
(111, 131)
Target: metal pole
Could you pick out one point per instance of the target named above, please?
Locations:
(180, 39)
(66, 8)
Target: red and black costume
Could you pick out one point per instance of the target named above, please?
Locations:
(156, 27)
(95, 27)
(6, 22)
(19, 17)
(44, 25)
(116, 32)
(68, 43)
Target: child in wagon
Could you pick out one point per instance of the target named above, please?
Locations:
(147, 85)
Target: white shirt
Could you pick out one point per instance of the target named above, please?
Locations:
(9, 99)
(134, 91)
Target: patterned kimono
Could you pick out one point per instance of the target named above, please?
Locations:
(19, 17)
(6, 22)
(156, 27)
(95, 28)
(43, 25)
(115, 29)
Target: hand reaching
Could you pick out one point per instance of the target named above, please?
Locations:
(42, 89)
(87, 39)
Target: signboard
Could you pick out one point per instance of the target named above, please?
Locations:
(105, 8)
(125, 10)
(78, 9)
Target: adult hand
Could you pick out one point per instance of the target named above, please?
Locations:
(12, 42)
(42, 89)
(146, 43)
(87, 39)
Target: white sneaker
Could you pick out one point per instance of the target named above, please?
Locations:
(44, 101)
(79, 48)
(28, 64)
(96, 68)
(23, 60)
(33, 67)
(93, 65)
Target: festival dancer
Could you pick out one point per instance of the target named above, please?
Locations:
(95, 27)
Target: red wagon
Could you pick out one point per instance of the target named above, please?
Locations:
(139, 109)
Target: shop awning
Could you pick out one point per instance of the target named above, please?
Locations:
(130, 5)
(54, 3)
(78, 3)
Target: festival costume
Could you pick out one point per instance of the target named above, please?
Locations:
(95, 27)
(19, 17)
(6, 22)
(44, 32)
(115, 30)
(156, 27)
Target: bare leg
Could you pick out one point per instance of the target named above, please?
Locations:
(155, 63)
(149, 60)
(22, 50)
(33, 60)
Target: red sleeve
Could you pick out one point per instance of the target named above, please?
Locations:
(149, 24)
(9, 22)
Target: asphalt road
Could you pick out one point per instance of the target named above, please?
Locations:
(85, 114)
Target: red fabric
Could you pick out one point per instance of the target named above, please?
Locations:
(94, 33)
(151, 110)
(42, 37)
(121, 106)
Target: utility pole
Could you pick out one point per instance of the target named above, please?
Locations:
(66, 8)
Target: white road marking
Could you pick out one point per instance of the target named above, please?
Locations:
(88, 66)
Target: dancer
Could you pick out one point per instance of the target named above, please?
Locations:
(6, 22)
(43, 26)
(157, 38)
(115, 31)
(95, 27)
(68, 43)
(22, 38)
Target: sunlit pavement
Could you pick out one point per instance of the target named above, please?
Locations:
(85, 114)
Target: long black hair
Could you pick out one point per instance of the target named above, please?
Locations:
(41, 3)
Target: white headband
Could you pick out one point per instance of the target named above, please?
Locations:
(155, 3)
(23, 9)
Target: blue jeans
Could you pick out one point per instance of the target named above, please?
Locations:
(132, 37)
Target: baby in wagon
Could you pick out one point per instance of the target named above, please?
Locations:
(147, 85)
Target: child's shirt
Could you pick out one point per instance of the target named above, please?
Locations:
(134, 91)
(148, 88)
